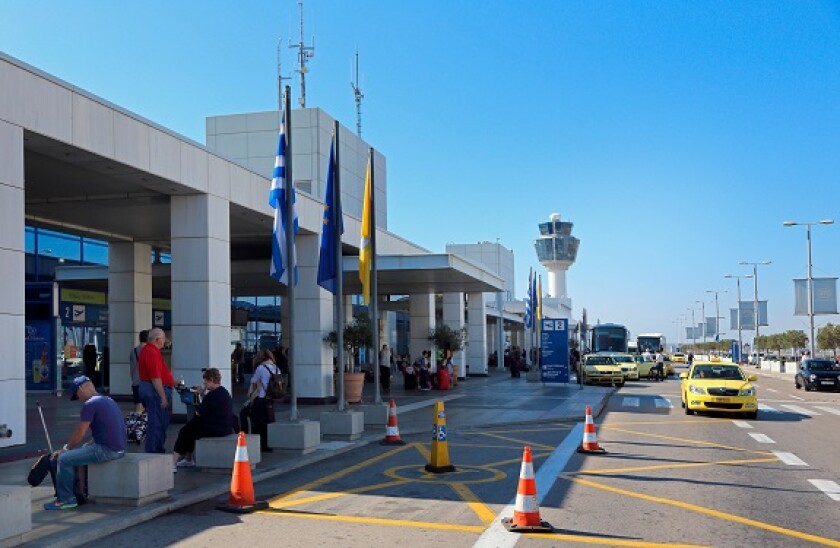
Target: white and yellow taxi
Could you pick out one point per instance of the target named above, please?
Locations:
(628, 366)
(718, 387)
(600, 368)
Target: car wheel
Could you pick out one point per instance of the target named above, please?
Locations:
(753, 416)
(796, 383)
(688, 410)
(808, 388)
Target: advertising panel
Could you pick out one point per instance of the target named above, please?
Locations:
(39, 352)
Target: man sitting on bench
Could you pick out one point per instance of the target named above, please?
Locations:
(101, 415)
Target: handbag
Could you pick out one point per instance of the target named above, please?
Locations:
(39, 470)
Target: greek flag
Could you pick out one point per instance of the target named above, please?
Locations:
(529, 305)
(277, 200)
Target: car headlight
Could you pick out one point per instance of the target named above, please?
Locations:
(747, 392)
(812, 377)
(696, 389)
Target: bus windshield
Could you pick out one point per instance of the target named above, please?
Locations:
(609, 338)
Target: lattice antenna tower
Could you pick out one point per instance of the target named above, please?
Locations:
(304, 53)
(359, 95)
(280, 76)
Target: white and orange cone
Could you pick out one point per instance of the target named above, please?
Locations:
(590, 440)
(242, 500)
(392, 430)
(526, 512)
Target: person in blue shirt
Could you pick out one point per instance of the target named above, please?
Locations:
(102, 417)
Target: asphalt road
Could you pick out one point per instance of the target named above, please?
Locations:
(667, 479)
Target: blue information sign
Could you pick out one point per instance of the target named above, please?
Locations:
(554, 355)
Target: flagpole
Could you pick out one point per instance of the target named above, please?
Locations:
(290, 268)
(374, 289)
(339, 277)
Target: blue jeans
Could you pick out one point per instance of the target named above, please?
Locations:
(67, 462)
(158, 417)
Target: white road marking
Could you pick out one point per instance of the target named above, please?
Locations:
(771, 389)
(630, 402)
(828, 487)
(797, 397)
(662, 402)
(765, 407)
(790, 459)
(801, 410)
(742, 424)
(761, 438)
(428, 403)
(828, 409)
(496, 536)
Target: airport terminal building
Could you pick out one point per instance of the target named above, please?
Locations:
(170, 231)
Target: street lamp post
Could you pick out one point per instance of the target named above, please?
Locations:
(693, 334)
(810, 274)
(755, 301)
(717, 311)
(738, 285)
(703, 316)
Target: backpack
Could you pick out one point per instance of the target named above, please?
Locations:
(274, 390)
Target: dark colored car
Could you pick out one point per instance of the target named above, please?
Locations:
(815, 373)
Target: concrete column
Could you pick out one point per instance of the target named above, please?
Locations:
(421, 310)
(477, 334)
(12, 270)
(313, 321)
(129, 306)
(453, 316)
(200, 287)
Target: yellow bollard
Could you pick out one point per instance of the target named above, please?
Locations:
(440, 448)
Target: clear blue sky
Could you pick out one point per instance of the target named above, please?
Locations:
(677, 136)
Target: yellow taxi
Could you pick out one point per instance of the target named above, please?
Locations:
(628, 366)
(599, 368)
(679, 357)
(718, 387)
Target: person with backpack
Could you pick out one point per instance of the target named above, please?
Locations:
(266, 386)
(102, 417)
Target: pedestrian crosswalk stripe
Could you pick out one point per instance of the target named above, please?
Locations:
(765, 407)
(801, 410)
(828, 409)
(742, 424)
(662, 402)
(828, 487)
(761, 438)
(790, 459)
(630, 402)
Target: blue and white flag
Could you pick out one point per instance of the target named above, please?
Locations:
(529, 306)
(333, 227)
(277, 200)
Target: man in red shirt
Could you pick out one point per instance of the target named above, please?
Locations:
(156, 383)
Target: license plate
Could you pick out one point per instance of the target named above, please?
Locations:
(827, 382)
(721, 400)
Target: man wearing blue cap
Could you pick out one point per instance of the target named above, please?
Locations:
(101, 415)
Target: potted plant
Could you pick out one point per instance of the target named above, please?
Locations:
(357, 334)
(446, 338)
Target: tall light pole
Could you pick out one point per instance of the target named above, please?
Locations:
(693, 334)
(717, 311)
(810, 273)
(738, 285)
(755, 300)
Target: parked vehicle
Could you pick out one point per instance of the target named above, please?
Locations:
(817, 373)
(598, 368)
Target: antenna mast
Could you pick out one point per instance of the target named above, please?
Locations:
(280, 76)
(305, 53)
(359, 95)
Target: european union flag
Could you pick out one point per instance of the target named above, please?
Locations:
(333, 227)
(277, 200)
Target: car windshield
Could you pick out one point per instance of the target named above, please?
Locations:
(716, 372)
(820, 365)
(599, 360)
(623, 359)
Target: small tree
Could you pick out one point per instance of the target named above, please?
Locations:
(445, 337)
(828, 338)
(358, 334)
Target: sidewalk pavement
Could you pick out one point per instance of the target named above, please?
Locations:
(477, 402)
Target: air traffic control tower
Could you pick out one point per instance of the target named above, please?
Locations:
(556, 250)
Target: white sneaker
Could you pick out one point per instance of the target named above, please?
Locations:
(175, 469)
(184, 463)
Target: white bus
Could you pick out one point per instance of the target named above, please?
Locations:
(650, 342)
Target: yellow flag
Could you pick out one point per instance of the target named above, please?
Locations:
(366, 247)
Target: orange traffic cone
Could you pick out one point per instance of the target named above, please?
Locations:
(590, 441)
(392, 431)
(241, 500)
(526, 512)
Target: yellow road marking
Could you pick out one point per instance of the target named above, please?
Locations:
(612, 541)
(684, 440)
(485, 446)
(523, 442)
(548, 428)
(425, 453)
(484, 513)
(710, 512)
(312, 485)
(335, 494)
(675, 465)
(381, 521)
(505, 462)
(689, 421)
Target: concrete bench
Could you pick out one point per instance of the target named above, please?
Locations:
(134, 480)
(217, 454)
(15, 513)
